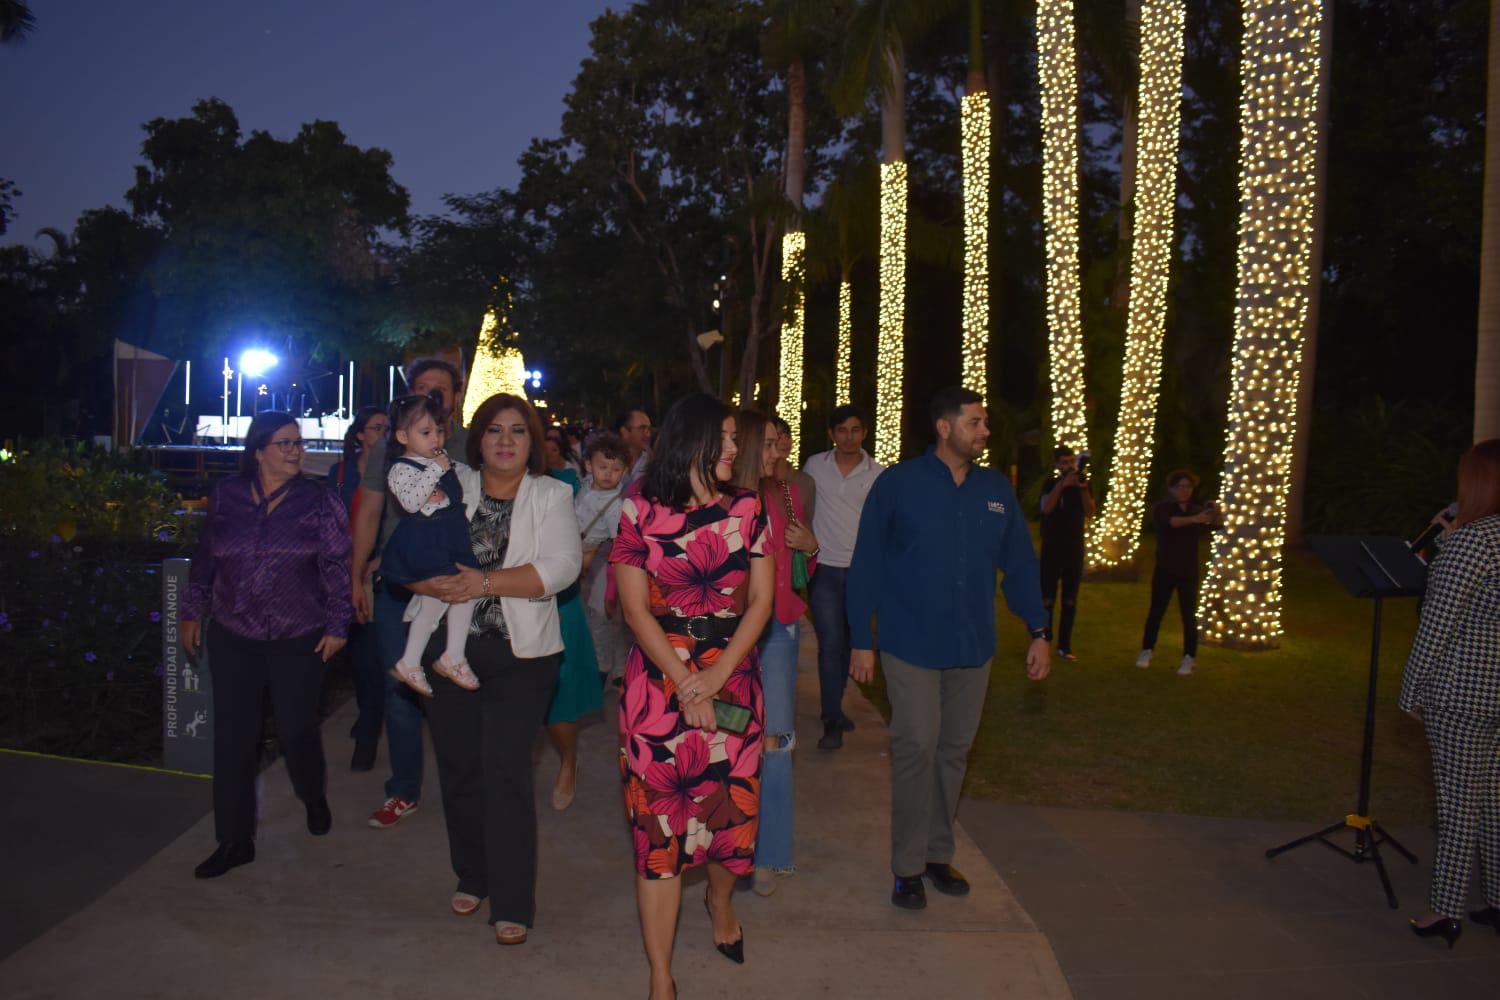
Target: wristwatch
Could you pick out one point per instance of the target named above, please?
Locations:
(1042, 633)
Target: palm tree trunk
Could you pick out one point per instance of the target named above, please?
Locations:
(793, 248)
(974, 127)
(796, 133)
(1487, 360)
(890, 361)
(1120, 294)
(1296, 496)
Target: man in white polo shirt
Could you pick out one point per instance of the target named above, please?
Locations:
(843, 476)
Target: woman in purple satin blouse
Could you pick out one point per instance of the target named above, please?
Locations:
(272, 570)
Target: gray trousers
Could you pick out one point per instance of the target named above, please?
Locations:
(934, 716)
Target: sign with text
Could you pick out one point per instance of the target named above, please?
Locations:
(187, 701)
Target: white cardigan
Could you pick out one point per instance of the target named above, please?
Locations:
(543, 533)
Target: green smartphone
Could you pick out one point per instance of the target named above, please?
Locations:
(731, 718)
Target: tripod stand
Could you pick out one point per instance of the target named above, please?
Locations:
(1377, 568)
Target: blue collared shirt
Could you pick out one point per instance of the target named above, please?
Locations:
(925, 561)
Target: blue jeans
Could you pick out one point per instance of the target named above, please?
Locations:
(778, 680)
(825, 597)
(403, 715)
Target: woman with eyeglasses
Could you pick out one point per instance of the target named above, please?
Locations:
(272, 570)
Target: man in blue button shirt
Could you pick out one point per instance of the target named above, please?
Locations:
(933, 532)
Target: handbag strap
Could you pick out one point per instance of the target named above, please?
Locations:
(786, 498)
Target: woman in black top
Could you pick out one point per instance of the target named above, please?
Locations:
(1179, 524)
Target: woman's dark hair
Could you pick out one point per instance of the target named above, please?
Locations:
(1479, 482)
(405, 411)
(689, 439)
(356, 428)
(536, 460)
(564, 445)
(750, 437)
(262, 429)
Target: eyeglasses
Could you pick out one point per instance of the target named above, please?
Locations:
(290, 444)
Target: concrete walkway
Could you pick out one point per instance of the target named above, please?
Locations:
(1146, 905)
(364, 913)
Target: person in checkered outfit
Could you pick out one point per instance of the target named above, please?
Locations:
(1452, 683)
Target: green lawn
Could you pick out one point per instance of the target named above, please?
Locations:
(1271, 734)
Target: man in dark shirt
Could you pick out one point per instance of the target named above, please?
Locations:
(1179, 524)
(1067, 503)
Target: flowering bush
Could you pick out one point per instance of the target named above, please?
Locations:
(82, 536)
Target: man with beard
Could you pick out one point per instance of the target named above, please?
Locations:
(933, 532)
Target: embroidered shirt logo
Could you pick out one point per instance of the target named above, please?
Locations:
(996, 507)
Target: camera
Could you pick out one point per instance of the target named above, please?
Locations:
(1083, 468)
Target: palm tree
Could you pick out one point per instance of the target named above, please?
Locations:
(975, 129)
(16, 21)
(1487, 361)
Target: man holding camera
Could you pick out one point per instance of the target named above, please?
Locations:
(1067, 503)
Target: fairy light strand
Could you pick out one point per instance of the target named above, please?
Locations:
(1056, 66)
(1116, 532)
(889, 355)
(1279, 74)
(974, 122)
(789, 398)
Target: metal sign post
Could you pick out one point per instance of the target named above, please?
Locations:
(187, 703)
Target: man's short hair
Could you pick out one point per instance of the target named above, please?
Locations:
(1061, 451)
(609, 445)
(842, 413)
(1178, 475)
(421, 366)
(948, 403)
(622, 420)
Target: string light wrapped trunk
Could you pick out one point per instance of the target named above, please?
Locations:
(891, 347)
(1240, 604)
(974, 127)
(1056, 65)
(845, 349)
(1115, 535)
(789, 400)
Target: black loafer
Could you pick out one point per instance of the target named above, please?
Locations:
(225, 857)
(909, 893)
(364, 757)
(846, 724)
(948, 880)
(833, 737)
(319, 818)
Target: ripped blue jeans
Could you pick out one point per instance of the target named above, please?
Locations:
(778, 673)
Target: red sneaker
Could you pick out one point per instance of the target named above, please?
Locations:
(392, 812)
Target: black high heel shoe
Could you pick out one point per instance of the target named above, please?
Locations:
(735, 950)
(1447, 928)
(1489, 916)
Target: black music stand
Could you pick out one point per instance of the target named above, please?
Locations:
(1378, 568)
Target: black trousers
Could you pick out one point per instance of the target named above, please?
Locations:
(482, 741)
(1162, 587)
(1062, 565)
(242, 670)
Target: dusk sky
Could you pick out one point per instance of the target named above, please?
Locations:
(454, 89)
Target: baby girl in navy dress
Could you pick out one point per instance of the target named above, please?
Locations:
(432, 535)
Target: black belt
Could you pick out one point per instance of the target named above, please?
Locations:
(704, 628)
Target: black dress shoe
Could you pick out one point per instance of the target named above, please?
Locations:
(833, 737)
(734, 951)
(1489, 916)
(364, 757)
(948, 880)
(225, 857)
(909, 893)
(846, 724)
(1447, 928)
(319, 818)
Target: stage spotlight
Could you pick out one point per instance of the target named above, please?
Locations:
(256, 362)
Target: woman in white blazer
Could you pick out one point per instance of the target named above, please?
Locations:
(526, 542)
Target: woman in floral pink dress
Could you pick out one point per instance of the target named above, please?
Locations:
(696, 592)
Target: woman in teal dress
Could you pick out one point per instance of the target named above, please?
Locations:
(578, 691)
